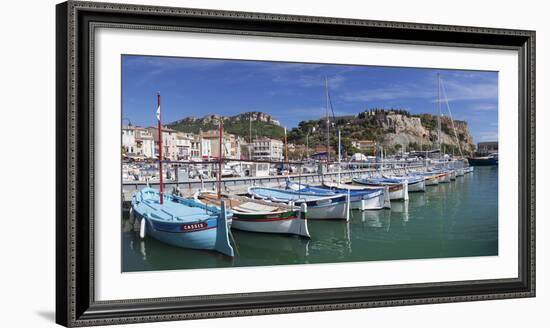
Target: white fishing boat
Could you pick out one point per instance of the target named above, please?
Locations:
(258, 215)
(318, 206)
(398, 189)
(414, 182)
(352, 188)
(365, 199)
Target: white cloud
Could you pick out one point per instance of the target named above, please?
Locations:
(452, 89)
(402, 91)
(484, 107)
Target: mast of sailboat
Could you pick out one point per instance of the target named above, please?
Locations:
(160, 148)
(439, 113)
(249, 136)
(220, 159)
(328, 122)
(339, 158)
(286, 154)
(451, 117)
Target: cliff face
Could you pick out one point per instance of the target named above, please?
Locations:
(404, 130)
(214, 118)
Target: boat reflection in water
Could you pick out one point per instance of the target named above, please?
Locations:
(282, 249)
(401, 208)
(375, 220)
(329, 239)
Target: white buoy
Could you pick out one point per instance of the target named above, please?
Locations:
(142, 229)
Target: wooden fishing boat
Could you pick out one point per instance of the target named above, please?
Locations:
(181, 222)
(260, 216)
(351, 187)
(398, 189)
(431, 180)
(362, 199)
(318, 206)
(414, 182)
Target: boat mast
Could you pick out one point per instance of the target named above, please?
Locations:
(328, 123)
(451, 117)
(439, 113)
(249, 136)
(339, 158)
(220, 159)
(160, 148)
(286, 155)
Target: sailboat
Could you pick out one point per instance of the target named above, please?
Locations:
(178, 221)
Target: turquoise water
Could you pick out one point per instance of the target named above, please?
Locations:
(456, 219)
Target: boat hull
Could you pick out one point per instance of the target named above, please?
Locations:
(444, 178)
(338, 211)
(287, 223)
(400, 192)
(397, 191)
(482, 161)
(331, 207)
(431, 181)
(417, 186)
(172, 223)
(452, 175)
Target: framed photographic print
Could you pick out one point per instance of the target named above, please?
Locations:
(214, 163)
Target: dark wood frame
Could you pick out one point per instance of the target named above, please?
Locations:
(76, 23)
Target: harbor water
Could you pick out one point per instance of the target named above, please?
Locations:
(456, 219)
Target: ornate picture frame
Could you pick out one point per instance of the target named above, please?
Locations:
(77, 22)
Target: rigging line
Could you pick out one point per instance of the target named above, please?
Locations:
(332, 110)
(451, 116)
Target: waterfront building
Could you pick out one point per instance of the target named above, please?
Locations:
(487, 148)
(183, 146)
(169, 143)
(128, 139)
(267, 149)
(145, 143)
(364, 146)
(137, 141)
(230, 144)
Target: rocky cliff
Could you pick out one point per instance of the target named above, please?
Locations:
(393, 129)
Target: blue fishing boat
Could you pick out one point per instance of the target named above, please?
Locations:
(320, 206)
(179, 221)
(398, 189)
(365, 199)
(182, 222)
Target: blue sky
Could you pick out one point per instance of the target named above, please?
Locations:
(293, 92)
